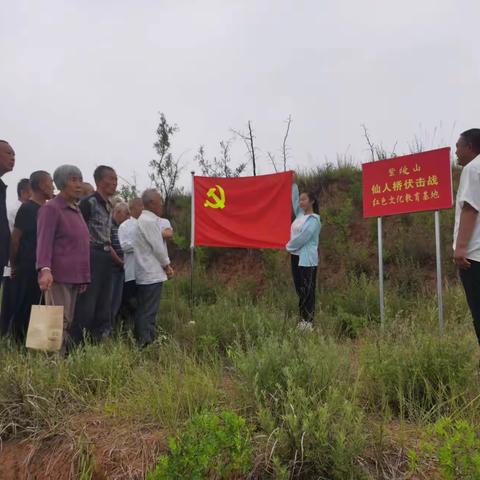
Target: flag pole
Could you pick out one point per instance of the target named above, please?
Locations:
(192, 243)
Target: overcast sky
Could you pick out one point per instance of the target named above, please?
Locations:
(82, 81)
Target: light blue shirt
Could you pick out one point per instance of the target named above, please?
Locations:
(304, 243)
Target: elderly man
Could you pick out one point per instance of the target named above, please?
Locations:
(120, 215)
(93, 311)
(63, 253)
(126, 235)
(7, 162)
(152, 265)
(23, 249)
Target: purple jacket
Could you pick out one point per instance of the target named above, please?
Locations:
(63, 242)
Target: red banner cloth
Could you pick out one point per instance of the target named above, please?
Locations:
(412, 183)
(248, 212)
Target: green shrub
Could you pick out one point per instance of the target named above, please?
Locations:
(210, 446)
(313, 435)
(455, 446)
(307, 361)
(417, 374)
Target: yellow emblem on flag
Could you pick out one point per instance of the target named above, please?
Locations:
(218, 201)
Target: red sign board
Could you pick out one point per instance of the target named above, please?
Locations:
(412, 183)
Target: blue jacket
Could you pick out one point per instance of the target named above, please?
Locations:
(305, 244)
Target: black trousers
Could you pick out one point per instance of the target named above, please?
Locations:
(94, 306)
(8, 304)
(305, 280)
(471, 283)
(129, 305)
(27, 294)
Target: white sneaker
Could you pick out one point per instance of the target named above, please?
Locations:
(305, 326)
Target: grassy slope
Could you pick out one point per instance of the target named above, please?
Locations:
(347, 401)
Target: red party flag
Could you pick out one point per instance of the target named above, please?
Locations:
(249, 212)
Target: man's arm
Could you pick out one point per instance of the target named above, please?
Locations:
(153, 234)
(167, 233)
(468, 218)
(115, 257)
(14, 245)
(125, 235)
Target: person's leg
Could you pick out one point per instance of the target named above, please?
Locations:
(27, 294)
(309, 283)
(85, 305)
(8, 305)
(118, 278)
(66, 295)
(471, 283)
(129, 305)
(102, 319)
(297, 280)
(146, 315)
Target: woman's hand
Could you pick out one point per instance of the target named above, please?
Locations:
(45, 280)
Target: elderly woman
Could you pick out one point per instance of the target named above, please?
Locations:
(63, 245)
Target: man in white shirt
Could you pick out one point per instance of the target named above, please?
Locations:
(152, 265)
(126, 235)
(466, 236)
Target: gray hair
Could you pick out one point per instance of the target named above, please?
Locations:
(149, 195)
(134, 201)
(64, 173)
(121, 207)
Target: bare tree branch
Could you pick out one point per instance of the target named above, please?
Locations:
(272, 159)
(249, 144)
(252, 148)
(371, 146)
(284, 145)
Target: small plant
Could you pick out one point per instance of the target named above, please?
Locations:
(86, 460)
(313, 435)
(455, 447)
(211, 446)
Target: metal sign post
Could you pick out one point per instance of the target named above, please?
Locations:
(380, 272)
(441, 323)
(192, 244)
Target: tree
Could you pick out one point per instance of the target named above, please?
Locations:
(221, 166)
(165, 169)
(128, 190)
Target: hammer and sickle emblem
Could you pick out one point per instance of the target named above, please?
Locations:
(218, 201)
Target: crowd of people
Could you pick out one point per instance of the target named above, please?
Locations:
(105, 261)
(100, 258)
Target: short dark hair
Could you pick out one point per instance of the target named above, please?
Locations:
(22, 186)
(36, 178)
(472, 137)
(100, 172)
